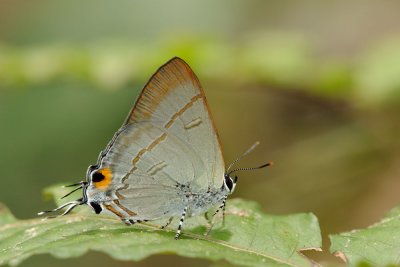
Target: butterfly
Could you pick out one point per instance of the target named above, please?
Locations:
(166, 159)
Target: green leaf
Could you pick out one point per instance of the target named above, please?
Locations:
(249, 237)
(377, 245)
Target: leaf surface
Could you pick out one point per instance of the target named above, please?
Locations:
(377, 245)
(249, 236)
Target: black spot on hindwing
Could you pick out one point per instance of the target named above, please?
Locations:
(97, 208)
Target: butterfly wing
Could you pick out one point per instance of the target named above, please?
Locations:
(167, 144)
(173, 100)
(146, 154)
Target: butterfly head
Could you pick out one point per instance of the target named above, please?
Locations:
(230, 181)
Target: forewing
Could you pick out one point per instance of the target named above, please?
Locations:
(173, 100)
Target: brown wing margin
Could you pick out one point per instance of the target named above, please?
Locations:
(165, 80)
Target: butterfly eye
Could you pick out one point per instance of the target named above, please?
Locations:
(228, 183)
(97, 177)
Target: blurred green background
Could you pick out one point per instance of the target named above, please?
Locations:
(316, 82)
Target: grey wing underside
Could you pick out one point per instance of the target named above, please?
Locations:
(173, 100)
(150, 168)
(151, 202)
(168, 141)
(146, 154)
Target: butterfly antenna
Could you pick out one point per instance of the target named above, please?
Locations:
(252, 168)
(75, 184)
(243, 155)
(81, 184)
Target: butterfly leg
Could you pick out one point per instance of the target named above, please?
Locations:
(178, 232)
(222, 207)
(126, 222)
(130, 222)
(168, 223)
(223, 211)
(211, 222)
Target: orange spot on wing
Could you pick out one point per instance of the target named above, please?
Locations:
(103, 184)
